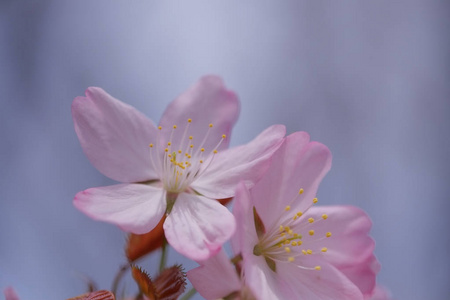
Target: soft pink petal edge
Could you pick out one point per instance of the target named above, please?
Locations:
(114, 136)
(135, 208)
(10, 294)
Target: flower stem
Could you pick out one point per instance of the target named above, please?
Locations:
(163, 261)
(118, 277)
(189, 294)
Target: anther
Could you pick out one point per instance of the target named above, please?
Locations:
(311, 220)
(224, 136)
(324, 216)
(300, 191)
(174, 126)
(169, 143)
(179, 151)
(281, 228)
(215, 151)
(203, 149)
(167, 150)
(291, 259)
(189, 120)
(317, 268)
(288, 207)
(294, 243)
(287, 249)
(210, 125)
(328, 234)
(315, 200)
(201, 161)
(311, 232)
(159, 127)
(324, 249)
(191, 137)
(151, 145)
(304, 252)
(309, 251)
(299, 214)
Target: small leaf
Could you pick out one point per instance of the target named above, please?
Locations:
(259, 225)
(98, 295)
(171, 283)
(144, 282)
(139, 245)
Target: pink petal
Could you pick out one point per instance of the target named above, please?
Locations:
(135, 208)
(297, 164)
(247, 162)
(261, 279)
(197, 226)
(216, 278)
(207, 102)
(245, 237)
(10, 294)
(325, 284)
(350, 248)
(114, 136)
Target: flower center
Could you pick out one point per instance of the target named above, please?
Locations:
(294, 238)
(180, 162)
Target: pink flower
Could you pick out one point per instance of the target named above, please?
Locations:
(10, 294)
(291, 250)
(176, 168)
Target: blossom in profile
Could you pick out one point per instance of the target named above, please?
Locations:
(292, 250)
(177, 168)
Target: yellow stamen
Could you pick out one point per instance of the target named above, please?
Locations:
(224, 136)
(311, 232)
(324, 216)
(317, 268)
(287, 208)
(151, 145)
(310, 220)
(215, 151)
(315, 200)
(159, 127)
(189, 120)
(299, 214)
(210, 125)
(309, 251)
(287, 249)
(324, 249)
(174, 126)
(301, 191)
(328, 234)
(291, 259)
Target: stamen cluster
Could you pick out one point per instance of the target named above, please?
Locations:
(178, 166)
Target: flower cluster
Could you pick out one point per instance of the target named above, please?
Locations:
(175, 178)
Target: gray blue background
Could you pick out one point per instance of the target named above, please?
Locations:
(370, 79)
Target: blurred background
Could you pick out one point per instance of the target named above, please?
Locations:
(371, 80)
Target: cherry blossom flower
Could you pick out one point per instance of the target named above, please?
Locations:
(176, 168)
(291, 250)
